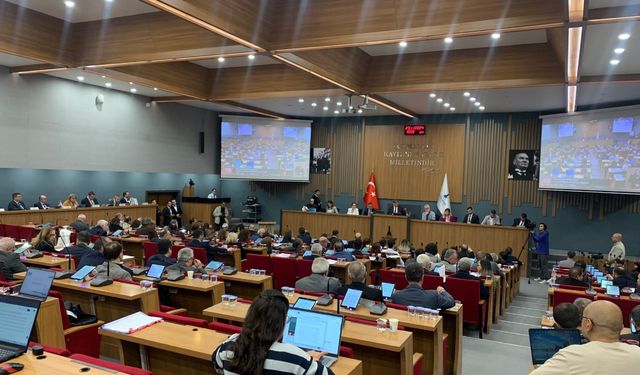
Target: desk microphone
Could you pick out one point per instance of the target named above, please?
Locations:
(101, 280)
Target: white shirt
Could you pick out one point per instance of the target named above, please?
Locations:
(594, 358)
(488, 220)
(353, 211)
(617, 251)
(211, 196)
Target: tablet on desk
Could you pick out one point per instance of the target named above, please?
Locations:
(304, 303)
(351, 299)
(155, 271)
(613, 291)
(213, 265)
(307, 253)
(23, 248)
(117, 233)
(606, 283)
(387, 289)
(82, 272)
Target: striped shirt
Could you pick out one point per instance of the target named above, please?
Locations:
(281, 359)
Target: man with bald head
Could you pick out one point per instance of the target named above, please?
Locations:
(80, 224)
(9, 261)
(604, 354)
(358, 273)
(617, 250)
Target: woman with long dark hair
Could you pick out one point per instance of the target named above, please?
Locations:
(257, 350)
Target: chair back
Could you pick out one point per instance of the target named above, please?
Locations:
(285, 272)
(66, 323)
(467, 292)
(572, 287)
(626, 305)
(431, 282)
(397, 278)
(396, 306)
(94, 238)
(303, 268)
(2, 230)
(561, 296)
(174, 251)
(149, 249)
(12, 231)
(27, 233)
(178, 319)
(200, 254)
(258, 261)
(225, 328)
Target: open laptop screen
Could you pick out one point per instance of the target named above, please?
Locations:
(547, 342)
(311, 330)
(17, 316)
(37, 282)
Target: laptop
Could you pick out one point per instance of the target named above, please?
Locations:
(155, 272)
(82, 272)
(36, 284)
(613, 291)
(304, 303)
(351, 299)
(18, 316)
(387, 289)
(545, 343)
(312, 330)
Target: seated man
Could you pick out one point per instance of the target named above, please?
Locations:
(427, 214)
(508, 258)
(80, 224)
(369, 210)
(425, 261)
(163, 255)
(604, 353)
(576, 278)
(569, 262)
(622, 279)
(113, 257)
(491, 219)
(310, 207)
(635, 315)
(395, 208)
(464, 267)
(358, 273)
(566, 315)
(466, 252)
(197, 238)
(414, 295)
(450, 261)
(316, 251)
(304, 236)
(581, 303)
(341, 253)
(79, 250)
(186, 262)
(95, 257)
(9, 261)
(318, 280)
(101, 229)
(147, 228)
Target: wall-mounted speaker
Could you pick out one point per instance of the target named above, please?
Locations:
(201, 142)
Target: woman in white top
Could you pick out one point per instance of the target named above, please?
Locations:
(353, 210)
(331, 209)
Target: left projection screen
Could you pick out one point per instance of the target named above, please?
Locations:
(260, 149)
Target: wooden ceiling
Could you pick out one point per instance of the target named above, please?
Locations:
(315, 42)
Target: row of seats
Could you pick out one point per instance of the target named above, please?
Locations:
(17, 232)
(625, 304)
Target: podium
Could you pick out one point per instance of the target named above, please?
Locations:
(201, 208)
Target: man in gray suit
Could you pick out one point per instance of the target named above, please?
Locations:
(414, 295)
(9, 261)
(569, 262)
(318, 281)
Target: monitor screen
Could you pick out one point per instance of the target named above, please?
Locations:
(82, 272)
(387, 289)
(351, 299)
(613, 290)
(310, 330)
(304, 303)
(17, 316)
(37, 282)
(155, 271)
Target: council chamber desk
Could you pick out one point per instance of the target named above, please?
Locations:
(57, 365)
(65, 216)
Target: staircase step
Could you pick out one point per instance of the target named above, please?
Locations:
(513, 327)
(525, 311)
(508, 337)
(529, 304)
(518, 318)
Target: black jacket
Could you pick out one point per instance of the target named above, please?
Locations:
(78, 250)
(625, 281)
(160, 259)
(368, 292)
(474, 219)
(572, 282)
(484, 292)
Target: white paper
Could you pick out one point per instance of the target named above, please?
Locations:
(131, 323)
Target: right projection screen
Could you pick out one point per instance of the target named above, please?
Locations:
(594, 151)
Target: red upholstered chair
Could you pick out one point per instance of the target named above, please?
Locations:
(110, 365)
(245, 300)
(258, 261)
(572, 287)
(184, 320)
(375, 277)
(303, 268)
(27, 232)
(397, 278)
(74, 237)
(345, 351)
(175, 249)
(79, 339)
(2, 230)
(561, 296)
(200, 254)
(431, 282)
(626, 305)
(468, 292)
(163, 308)
(149, 249)
(285, 272)
(52, 349)
(94, 238)
(418, 359)
(225, 328)
(12, 231)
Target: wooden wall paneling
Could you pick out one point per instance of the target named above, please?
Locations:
(318, 223)
(66, 216)
(397, 224)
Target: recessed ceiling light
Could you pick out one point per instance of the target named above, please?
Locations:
(131, 83)
(314, 104)
(402, 44)
(300, 100)
(432, 95)
(472, 99)
(618, 51)
(80, 78)
(251, 57)
(155, 89)
(133, 90)
(481, 108)
(477, 104)
(103, 76)
(108, 84)
(220, 59)
(327, 99)
(359, 111)
(447, 105)
(325, 108)
(614, 62)
(439, 100)
(448, 40)
(495, 36)
(339, 104)
(452, 109)
(336, 111)
(466, 93)
(69, 3)
(624, 36)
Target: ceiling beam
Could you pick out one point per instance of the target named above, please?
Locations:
(36, 69)
(615, 78)
(482, 68)
(614, 14)
(173, 99)
(253, 109)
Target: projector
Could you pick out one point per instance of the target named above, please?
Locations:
(368, 106)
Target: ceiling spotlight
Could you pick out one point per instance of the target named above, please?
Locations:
(360, 111)
(314, 104)
(495, 36)
(133, 90)
(339, 104)
(614, 62)
(103, 76)
(251, 57)
(447, 105)
(624, 36)
(325, 108)
(439, 100)
(80, 78)
(452, 109)
(618, 51)
(220, 59)
(432, 95)
(472, 99)
(448, 40)
(336, 112)
(327, 99)
(477, 104)
(300, 100)
(155, 89)
(466, 93)
(131, 83)
(69, 3)
(402, 44)
(481, 108)
(108, 84)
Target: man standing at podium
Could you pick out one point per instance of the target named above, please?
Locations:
(213, 194)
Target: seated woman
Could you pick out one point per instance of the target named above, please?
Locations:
(72, 201)
(114, 224)
(45, 240)
(353, 210)
(257, 350)
(331, 209)
(446, 216)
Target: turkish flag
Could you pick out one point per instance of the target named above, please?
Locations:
(371, 196)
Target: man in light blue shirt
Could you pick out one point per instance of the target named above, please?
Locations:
(427, 214)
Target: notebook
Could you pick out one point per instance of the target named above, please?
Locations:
(547, 342)
(36, 284)
(17, 315)
(131, 323)
(312, 330)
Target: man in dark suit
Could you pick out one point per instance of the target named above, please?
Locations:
(575, 278)
(196, 239)
(316, 200)
(395, 209)
(304, 236)
(101, 229)
(177, 212)
(126, 198)
(89, 200)
(414, 295)
(16, 203)
(464, 267)
(42, 203)
(80, 224)
(79, 250)
(369, 210)
(358, 272)
(623, 279)
(470, 217)
(523, 221)
(9, 261)
(163, 255)
(147, 228)
(114, 201)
